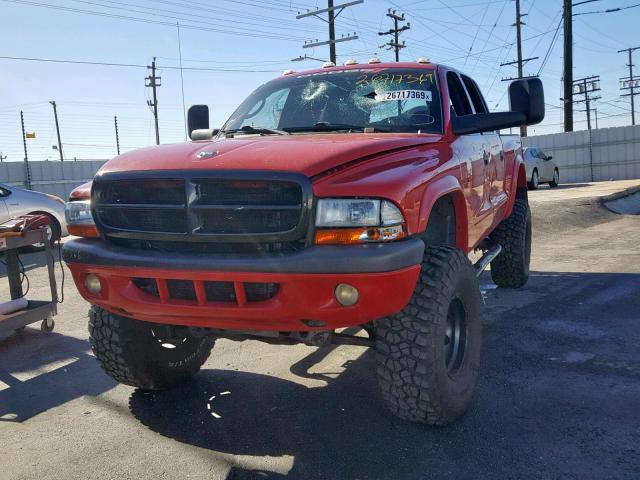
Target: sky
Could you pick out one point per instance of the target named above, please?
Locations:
(229, 47)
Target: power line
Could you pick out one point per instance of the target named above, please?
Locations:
(238, 32)
(550, 49)
(134, 65)
(608, 10)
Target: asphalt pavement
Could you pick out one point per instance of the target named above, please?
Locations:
(558, 397)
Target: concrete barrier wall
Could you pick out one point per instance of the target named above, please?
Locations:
(602, 154)
(56, 178)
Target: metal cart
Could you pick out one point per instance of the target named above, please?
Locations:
(37, 310)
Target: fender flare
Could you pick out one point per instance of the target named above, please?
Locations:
(518, 182)
(443, 186)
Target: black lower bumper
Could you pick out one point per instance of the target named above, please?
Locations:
(369, 258)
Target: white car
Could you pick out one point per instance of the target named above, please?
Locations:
(16, 201)
(540, 168)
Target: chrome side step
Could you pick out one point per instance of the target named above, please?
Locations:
(486, 258)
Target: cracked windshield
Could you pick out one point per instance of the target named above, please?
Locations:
(384, 100)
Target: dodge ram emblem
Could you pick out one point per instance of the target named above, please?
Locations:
(206, 154)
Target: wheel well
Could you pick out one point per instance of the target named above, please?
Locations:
(57, 229)
(441, 226)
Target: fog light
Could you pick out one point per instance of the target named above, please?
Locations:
(347, 295)
(92, 284)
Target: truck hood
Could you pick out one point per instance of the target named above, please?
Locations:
(306, 154)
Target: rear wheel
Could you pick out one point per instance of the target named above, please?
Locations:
(428, 355)
(511, 267)
(145, 355)
(556, 179)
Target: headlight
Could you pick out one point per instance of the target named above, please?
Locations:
(79, 219)
(357, 220)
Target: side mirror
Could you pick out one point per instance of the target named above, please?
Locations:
(549, 157)
(197, 120)
(526, 101)
(527, 96)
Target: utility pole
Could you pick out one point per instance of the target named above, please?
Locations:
(630, 83)
(568, 65)
(55, 115)
(585, 86)
(332, 12)
(153, 82)
(27, 170)
(115, 123)
(520, 61)
(395, 31)
(2, 157)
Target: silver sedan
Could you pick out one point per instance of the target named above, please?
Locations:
(540, 168)
(17, 201)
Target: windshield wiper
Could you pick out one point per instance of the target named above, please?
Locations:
(324, 127)
(258, 130)
(334, 127)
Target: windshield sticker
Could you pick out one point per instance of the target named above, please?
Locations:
(394, 79)
(403, 95)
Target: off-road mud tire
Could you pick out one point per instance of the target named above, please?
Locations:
(534, 183)
(411, 347)
(510, 269)
(129, 352)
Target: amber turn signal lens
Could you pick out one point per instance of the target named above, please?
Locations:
(351, 236)
(88, 231)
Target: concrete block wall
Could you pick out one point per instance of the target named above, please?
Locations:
(605, 153)
(56, 178)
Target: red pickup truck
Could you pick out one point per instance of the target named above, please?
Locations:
(347, 196)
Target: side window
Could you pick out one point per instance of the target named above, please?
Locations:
(542, 155)
(458, 96)
(477, 99)
(533, 153)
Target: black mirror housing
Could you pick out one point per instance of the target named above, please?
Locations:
(197, 118)
(526, 95)
(526, 102)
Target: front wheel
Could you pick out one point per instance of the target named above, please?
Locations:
(145, 355)
(428, 355)
(556, 179)
(535, 180)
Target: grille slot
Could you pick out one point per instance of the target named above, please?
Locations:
(157, 220)
(252, 192)
(246, 221)
(220, 291)
(144, 192)
(181, 290)
(259, 292)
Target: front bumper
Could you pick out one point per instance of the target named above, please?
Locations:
(384, 274)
